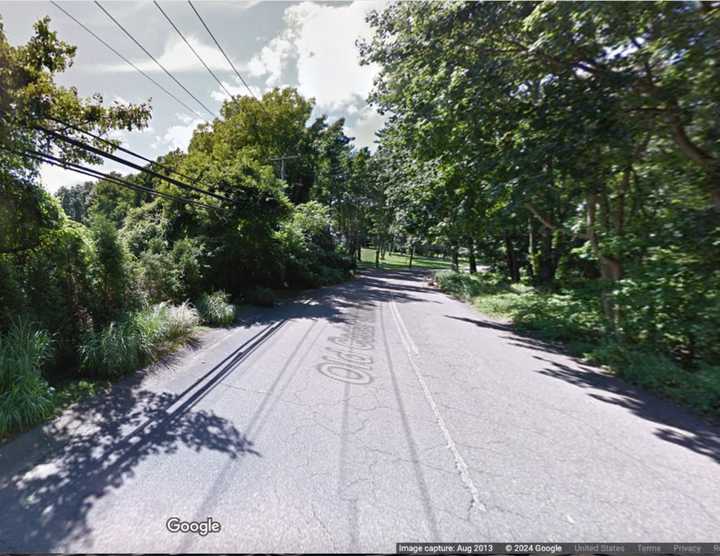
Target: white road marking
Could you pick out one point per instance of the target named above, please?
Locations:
(407, 339)
(460, 464)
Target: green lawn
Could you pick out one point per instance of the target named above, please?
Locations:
(400, 261)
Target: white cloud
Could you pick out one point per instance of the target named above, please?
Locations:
(321, 39)
(54, 177)
(363, 129)
(273, 58)
(177, 57)
(178, 136)
(238, 89)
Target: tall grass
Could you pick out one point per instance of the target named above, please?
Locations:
(25, 397)
(136, 339)
(215, 308)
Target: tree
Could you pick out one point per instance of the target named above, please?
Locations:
(29, 101)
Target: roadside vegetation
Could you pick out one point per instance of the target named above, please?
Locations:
(107, 276)
(573, 322)
(581, 177)
(215, 309)
(572, 150)
(399, 261)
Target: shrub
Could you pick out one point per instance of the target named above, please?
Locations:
(561, 317)
(699, 389)
(136, 338)
(112, 274)
(113, 350)
(25, 397)
(181, 320)
(468, 286)
(215, 308)
(309, 250)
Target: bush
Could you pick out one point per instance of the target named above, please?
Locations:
(467, 286)
(113, 350)
(561, 317)
(699, 389)
(215, 309)
(309, 250)
(181, 320)
(112, 275)
(25, 397)
(130, 342)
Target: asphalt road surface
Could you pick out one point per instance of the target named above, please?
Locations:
(375, 412)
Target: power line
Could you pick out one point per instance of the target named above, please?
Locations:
(221, 50)
(99, 152)
(120, 148)
(282, 160)
(93, 173)
(147, 52)
(108, 46)
(170, 21)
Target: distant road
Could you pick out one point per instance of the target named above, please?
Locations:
(379, 411)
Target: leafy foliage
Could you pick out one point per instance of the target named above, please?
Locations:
(25, 397)
(215, 308)
(136, 338)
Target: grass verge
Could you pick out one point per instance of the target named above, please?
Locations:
(107, 353)
(399, 261)
(137, 339)
(573, 319)
(215, 309)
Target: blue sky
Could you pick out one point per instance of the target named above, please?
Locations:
(307, 45)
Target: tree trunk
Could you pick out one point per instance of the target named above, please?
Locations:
(471, 256)
(377, 256)
(548, 258)
(412, 252)
(610, 267)
(455, 257)
(534, 265)
(512, 262)
(709, 163)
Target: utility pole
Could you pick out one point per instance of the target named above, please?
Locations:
(282, 160)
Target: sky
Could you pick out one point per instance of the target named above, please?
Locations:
(307, 45)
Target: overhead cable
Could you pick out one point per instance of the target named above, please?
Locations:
(91, 172)
(99, 152)
(147, 52)
(120, 147)
(220, 48)
(190, 46)
(129, 62)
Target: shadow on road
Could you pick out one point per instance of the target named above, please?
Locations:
(678, 426)
(44, 506)
(51, 477)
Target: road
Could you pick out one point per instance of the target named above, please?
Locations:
(374, 412)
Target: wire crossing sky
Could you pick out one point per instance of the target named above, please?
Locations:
(264, 45)
(102, 41)
(145, 50)
(240, 77)
(190, 46)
